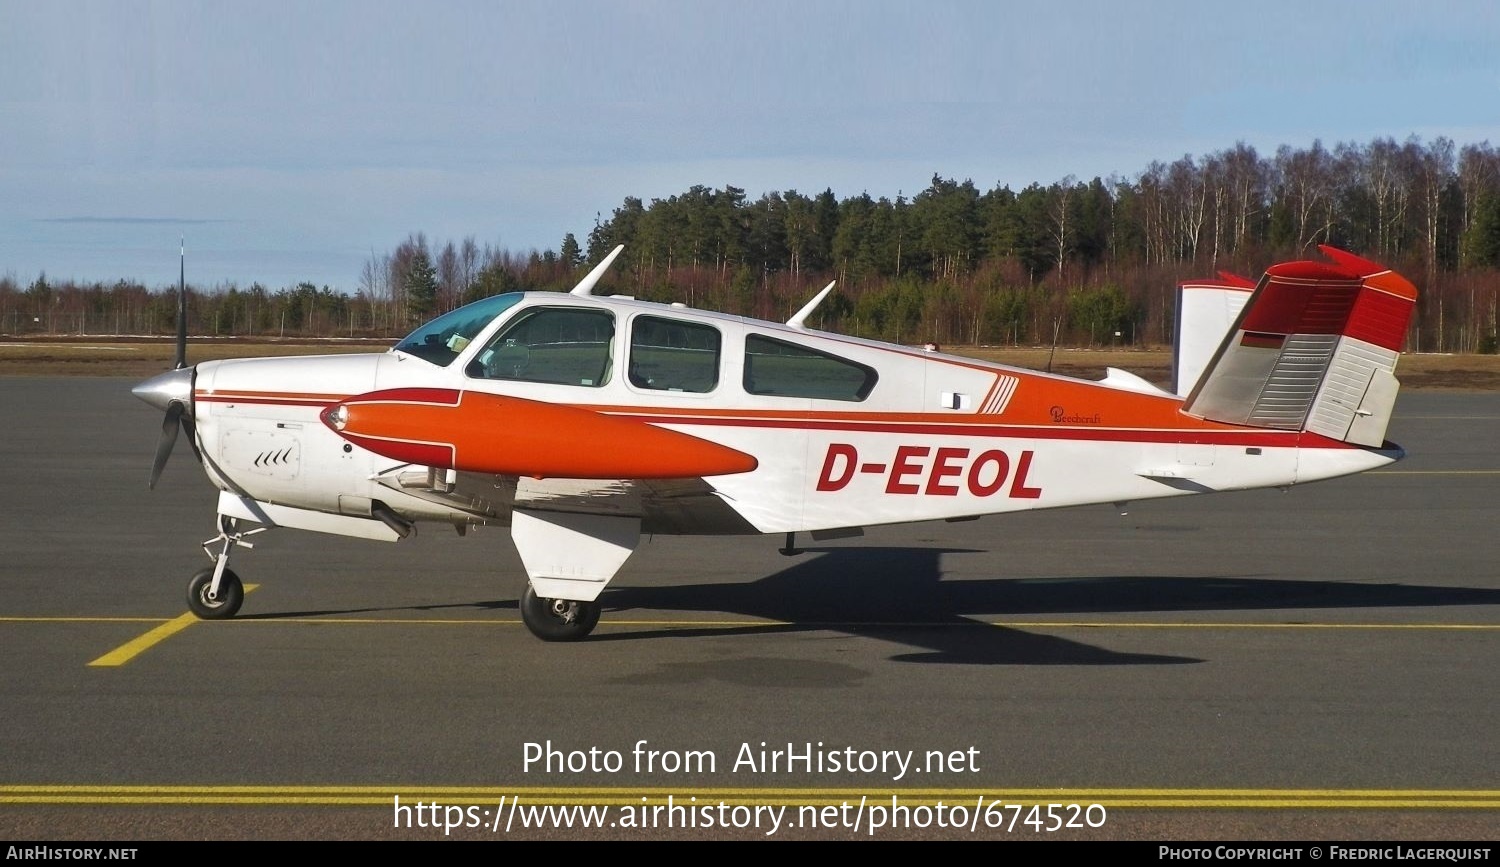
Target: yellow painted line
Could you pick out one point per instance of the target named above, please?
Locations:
(636, 796)
(142, 643)
(82, 620)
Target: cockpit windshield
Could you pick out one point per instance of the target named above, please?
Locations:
(441, 340)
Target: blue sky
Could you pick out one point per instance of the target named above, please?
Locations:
(287, 141)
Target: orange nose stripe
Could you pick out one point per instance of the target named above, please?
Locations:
(488, 433)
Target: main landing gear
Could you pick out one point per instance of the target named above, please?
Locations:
(216, 593)
(558, 619)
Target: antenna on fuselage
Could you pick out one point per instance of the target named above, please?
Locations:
(1056, 327)
(799, 318)
(586, 285)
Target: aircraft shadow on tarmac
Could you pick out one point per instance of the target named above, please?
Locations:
(897, 594)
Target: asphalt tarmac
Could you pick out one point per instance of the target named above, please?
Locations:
(1319, 664)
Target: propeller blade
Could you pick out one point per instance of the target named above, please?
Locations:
(169, 424)
(181, 360)
(191, 428)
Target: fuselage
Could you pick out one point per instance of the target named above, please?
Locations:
(843, 432)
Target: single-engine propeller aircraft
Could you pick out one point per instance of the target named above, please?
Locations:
(584, 421)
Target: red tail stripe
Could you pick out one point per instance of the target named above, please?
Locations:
(1380, 319)
(1289, 308)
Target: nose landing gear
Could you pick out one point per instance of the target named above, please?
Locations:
(216, 593)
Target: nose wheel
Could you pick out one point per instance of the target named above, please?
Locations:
(215, 606)
(558, 619)
(216, 593)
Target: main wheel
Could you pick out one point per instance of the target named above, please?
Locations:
(558, 619)
(231, 595)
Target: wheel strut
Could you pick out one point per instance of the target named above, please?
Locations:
(229, 536)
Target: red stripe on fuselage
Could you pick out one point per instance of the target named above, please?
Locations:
(283, 400)
(980, 427)
(1185, 436)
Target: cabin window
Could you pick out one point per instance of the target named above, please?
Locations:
(672, 355)
(441, 340)
(559, 345)
(780, 369)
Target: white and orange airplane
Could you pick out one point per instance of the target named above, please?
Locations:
(582, 422)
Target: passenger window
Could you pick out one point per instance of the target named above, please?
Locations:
(561, 345)
(775, 367)
(672, 355)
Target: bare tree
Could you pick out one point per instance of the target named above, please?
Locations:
(1434, 171)
(1306, 182)
(1216, 185)
(449, 290)
(1478, 177)
(1245, 177)
(468, 266)
(400, 265)
(1189, 203)
(375, 285)
(1060, 229)
(1154, 211)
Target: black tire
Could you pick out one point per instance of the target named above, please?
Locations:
(231, 595)
(558, 619)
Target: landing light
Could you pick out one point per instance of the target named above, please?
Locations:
(336, 416)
